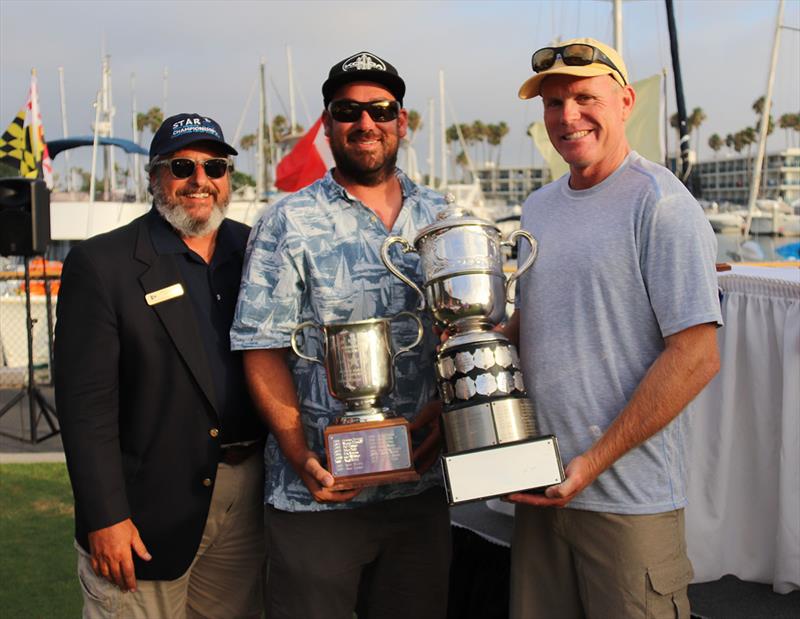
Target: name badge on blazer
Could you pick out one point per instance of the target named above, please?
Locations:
(165, 294)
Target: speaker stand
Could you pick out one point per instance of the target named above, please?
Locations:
(38, 406)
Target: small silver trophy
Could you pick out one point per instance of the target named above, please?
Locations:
(492, 447)
(368, 445)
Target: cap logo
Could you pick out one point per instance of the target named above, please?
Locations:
(194, 125)
(363, 62)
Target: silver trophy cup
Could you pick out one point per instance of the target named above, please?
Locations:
(368, 445)
(489, 423)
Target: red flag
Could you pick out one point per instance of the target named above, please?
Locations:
(303, 165)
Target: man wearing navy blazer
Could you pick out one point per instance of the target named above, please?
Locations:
(163, 445)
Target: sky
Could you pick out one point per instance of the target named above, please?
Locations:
(212, 49)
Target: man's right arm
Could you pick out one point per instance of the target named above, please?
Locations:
(273, 391)
(87, 398)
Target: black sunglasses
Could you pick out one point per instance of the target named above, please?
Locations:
(349, 111)
(183, 167)
(576, 54)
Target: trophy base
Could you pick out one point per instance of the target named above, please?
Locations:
(371, 453)
(502, 469)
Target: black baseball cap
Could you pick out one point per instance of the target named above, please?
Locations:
(179, 131)
(363, 67)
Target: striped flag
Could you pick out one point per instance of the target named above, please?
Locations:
(23, 147)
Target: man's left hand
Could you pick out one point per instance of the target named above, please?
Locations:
(428, 451)
(579, 474)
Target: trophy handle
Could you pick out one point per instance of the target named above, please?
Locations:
(296, 347)
(512, 238)
(417, 340)
(406, 247)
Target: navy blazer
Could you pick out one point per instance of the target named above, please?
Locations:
(134, 396)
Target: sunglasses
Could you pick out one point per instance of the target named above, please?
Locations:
(348, 111)
(576, 54)
(182, 167)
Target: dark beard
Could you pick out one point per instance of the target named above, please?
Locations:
(355, 171)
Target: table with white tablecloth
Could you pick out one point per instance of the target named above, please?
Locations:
(744, 442)
(744, 454)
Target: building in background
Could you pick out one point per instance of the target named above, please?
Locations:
(511, 185)
(728, 179)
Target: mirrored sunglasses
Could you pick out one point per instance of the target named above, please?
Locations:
(348, 111)
(576, 54)
(183, 167)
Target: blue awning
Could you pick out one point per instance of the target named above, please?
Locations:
(56, 146)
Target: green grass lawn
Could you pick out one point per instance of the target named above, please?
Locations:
(37, 559)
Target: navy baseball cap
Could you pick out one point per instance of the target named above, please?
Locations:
(363, 67)
(179, 131)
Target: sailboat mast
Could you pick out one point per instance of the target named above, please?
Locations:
(292, 115)
(164, 91)
(676, 71)
(260, 160)
(431, 145)
(64, 126)
(137, 178)
(442, 130)
(762, 133)
(618, 26)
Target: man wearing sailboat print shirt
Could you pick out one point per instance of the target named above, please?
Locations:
(385, 550)
(616, 326)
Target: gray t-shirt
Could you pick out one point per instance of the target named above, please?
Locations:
(621, 266)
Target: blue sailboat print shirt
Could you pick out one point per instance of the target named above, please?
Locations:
(315, 256)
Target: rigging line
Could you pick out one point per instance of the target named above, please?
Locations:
(538, 23)
(280, 99)
(305, 109)
(238, 133)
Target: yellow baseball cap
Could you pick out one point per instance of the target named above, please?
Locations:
(584, 58)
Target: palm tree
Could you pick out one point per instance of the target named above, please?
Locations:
(479, 133)
(151, 119)
(248, 143)
(715, 143)
(414, 123)
(696, 118)
(495, 135)
(462, 162)
(787, 123)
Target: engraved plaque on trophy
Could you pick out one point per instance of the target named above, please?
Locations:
(368, 445)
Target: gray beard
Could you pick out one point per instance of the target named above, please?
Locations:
(184, 223)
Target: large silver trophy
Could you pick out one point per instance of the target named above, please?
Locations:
(492, 447)
(368, 445)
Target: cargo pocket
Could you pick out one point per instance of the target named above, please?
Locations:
(666, 591)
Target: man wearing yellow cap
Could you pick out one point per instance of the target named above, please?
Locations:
(616, 328)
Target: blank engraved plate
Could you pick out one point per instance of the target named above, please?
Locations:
(446, 390)
(484, 358)
(513, 419)
(485, 384)
(505, 383)
(446, 367)
(503, 356)
(464, 362)
(465, 388)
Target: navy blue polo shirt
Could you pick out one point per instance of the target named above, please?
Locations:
(213, 289)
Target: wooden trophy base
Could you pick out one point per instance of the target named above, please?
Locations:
(371, 453)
